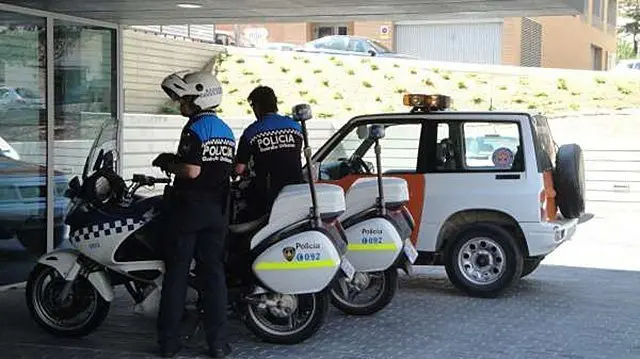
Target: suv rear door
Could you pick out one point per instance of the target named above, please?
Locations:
(474, 162)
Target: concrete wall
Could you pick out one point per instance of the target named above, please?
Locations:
(611, 152)
(149, 58)
(612, 170)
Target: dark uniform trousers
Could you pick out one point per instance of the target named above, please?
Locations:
(196, 226)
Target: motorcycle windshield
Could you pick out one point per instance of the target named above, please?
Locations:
(104, 147)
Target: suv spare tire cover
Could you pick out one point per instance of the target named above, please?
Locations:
(568, 180)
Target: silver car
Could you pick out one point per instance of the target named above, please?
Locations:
(350, 45)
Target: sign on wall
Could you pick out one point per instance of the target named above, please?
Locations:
(384, 32)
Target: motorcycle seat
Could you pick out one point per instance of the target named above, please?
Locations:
(246, 227)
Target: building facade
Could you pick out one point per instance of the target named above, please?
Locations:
(586, 41)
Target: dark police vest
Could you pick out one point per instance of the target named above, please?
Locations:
(275, 144)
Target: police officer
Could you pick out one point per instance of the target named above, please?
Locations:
(274, 143)
(197, 218)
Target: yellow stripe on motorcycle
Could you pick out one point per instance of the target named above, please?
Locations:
(296, 265)
(371, 247)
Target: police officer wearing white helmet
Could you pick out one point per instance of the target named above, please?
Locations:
(197, 218)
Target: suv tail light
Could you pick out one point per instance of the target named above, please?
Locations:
(548, 208)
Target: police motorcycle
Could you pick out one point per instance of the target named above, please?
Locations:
(114, 241)
(378, 231)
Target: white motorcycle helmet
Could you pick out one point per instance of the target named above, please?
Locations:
(203, 86)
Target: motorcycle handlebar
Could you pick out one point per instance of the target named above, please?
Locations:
(144, 180)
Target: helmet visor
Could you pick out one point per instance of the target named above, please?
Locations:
(172, 94)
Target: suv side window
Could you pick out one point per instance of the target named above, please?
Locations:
(492, 146)
(475, 146)
(445, 152)
(399, 149)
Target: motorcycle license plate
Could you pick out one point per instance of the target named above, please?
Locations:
(410, 251)
(347, 268)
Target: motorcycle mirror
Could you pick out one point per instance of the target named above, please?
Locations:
(302, 112)
(376, 132)
(363, 132)
(74, 185)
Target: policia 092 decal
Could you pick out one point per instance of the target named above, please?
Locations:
(301, 255)
(372, 239)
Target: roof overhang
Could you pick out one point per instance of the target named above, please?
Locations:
(159, 12)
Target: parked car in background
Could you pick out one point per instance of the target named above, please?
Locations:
(350, 45)
(7, 151)
(280, 46)
(628, 65)
(19, 98)
(23, 201)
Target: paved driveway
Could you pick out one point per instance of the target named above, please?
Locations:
(583, 303)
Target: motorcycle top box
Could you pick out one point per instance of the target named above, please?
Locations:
(374, 241)
(309, 259)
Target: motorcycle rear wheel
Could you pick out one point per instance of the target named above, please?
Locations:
(307, 316)
(384, 291)
(56, 316)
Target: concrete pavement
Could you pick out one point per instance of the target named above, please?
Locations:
(582, 303)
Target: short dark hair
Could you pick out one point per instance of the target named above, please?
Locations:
(264, 98)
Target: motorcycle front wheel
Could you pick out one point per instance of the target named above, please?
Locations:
(77, 315)
(286, 319)
(368, 293)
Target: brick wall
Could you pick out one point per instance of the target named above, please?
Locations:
(511, 41)
(295, 33)
(567, 40)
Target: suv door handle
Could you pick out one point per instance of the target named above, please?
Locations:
(508, 177)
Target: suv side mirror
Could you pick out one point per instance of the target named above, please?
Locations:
(371, 52)
(302, 112)
(376, 132)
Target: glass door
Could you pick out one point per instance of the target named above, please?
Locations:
(23, 144)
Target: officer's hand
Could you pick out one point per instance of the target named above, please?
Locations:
(163, 160)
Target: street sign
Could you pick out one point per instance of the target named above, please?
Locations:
(384, 32)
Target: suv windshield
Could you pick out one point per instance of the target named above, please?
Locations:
(545, 146)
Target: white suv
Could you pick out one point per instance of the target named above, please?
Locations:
(485, 187)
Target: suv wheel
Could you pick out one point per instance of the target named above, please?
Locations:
(483, 260)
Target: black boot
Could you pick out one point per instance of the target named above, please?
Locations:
(220, 351)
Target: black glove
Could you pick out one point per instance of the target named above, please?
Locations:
(163, 160)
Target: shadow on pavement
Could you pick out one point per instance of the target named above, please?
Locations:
(555, 312)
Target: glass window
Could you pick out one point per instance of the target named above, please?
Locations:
(23, 150)
(357, 45)
(399, 152)
(492, 146)
(381, 49)
(85, 97)
(337, 43)
(445, 151)
(544, 143)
